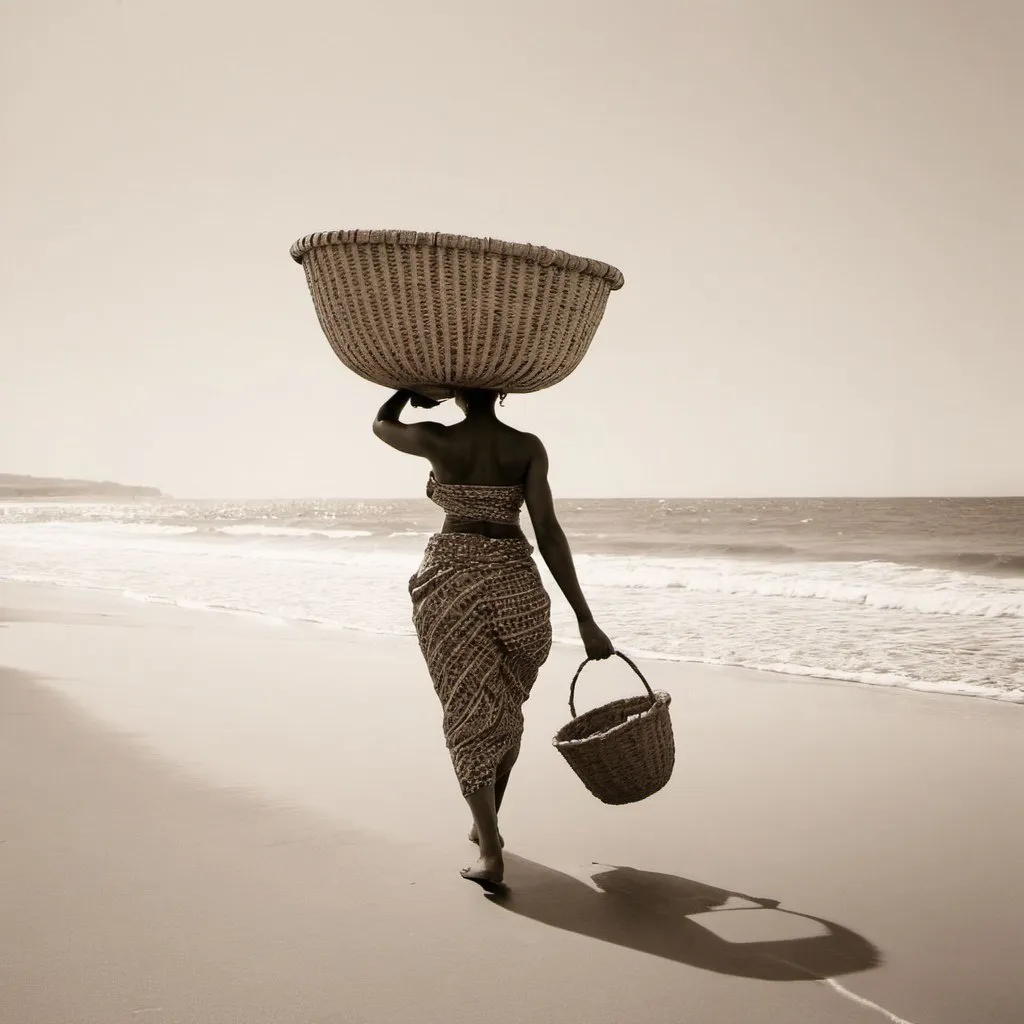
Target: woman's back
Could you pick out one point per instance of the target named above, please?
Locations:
(482, 454)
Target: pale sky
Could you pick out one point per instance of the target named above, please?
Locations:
(817, 206)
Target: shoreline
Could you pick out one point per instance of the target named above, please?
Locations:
(789, 675)
(247, 824)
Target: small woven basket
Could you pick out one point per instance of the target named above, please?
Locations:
(431, 312)
(623, 751)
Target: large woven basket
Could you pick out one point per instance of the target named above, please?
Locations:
(623, 751)
(431, 312)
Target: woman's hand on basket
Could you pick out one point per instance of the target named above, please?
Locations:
(422, 402)
(595, 641)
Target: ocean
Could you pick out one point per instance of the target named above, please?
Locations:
(923, 594)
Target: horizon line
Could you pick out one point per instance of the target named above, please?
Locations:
(641, 497)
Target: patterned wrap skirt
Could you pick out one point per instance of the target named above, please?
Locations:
(483, 619)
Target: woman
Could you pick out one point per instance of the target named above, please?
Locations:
(480, 609)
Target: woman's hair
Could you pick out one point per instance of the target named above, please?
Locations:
(482, 398)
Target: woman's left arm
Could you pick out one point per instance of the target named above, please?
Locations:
(412, 438)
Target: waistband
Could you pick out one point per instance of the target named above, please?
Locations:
(477, 548)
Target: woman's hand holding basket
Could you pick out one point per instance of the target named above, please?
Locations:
(595, 641)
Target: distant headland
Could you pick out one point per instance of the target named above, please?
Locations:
(13, 486)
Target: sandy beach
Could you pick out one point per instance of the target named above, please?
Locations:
(207, 818)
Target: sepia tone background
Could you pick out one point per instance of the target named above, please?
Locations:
(233, 803)
(817, 207)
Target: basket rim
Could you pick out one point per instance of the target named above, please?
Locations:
(660, 704)
(612, 276)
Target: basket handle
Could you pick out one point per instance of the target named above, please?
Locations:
(586, 661)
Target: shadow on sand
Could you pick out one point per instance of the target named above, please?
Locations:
(653, 913)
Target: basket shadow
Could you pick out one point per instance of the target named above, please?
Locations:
(652, 913)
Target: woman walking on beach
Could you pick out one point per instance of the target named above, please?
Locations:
(480, 610)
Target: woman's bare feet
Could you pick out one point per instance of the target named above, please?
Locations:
(487, 872)
(474, 838)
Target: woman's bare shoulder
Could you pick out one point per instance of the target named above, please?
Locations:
(527, 446)
(523, 437)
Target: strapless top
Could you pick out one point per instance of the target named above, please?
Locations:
(479, 503)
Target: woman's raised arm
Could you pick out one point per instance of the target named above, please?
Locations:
(421, 439)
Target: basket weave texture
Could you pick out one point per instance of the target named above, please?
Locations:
(623, 751)
(428, 311)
